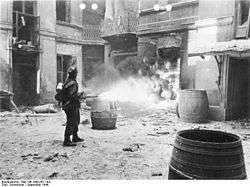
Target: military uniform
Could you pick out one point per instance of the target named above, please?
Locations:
(71, 107)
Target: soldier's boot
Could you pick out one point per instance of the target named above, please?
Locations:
(67, 142)
(76, 138)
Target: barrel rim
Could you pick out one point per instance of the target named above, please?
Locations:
(200, 90)
(209, 143)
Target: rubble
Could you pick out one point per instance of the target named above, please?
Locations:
(26, 121)
(163, 132)
(151, 134)
(51, 157)
(133, 147)
(86, 121)
(53, 175)
(126, 150)
(48, 108)
(29, 154)
(156, 174)
(54, 157)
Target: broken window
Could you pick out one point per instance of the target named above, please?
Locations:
(18, 6)
(63, 10)
(25, 24)
(24, 6)
(242, 29)
(244, 11)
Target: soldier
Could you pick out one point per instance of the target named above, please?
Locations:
(71, 106)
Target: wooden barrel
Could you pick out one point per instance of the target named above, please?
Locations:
(193, 106)
(103, 116)
(89, 101)
(105, 120)
(207, 154)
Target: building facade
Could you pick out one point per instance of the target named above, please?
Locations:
(209, 39)
(40, 40)
(119, 32)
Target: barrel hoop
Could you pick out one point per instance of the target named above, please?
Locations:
(209, 144)
(192, 176)
(200, 152)
(180, 173)
(235, 166)
(205, 144)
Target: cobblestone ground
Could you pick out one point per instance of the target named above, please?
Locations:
(31, 145)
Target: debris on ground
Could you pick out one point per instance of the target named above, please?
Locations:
(156, 174)
(54, 157)
(37, 157)
(25, 109)
(86, 121)
(245, 136)
(133, 147)
(53, 175)
(121, 124)
(151, 134)
(163, 132)
(29, 154)
(48, 108)
(36, 151)
(26, 121)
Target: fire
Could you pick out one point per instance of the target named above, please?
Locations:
(137, 90)
(159, 89)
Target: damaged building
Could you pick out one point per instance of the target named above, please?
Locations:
(41, 39)
(119, 32)
(199, 44)
(209, 42)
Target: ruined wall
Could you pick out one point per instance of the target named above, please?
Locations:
(48, 47)
(5, 51)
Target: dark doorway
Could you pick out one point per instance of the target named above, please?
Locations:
(239, 88)
(24, 78)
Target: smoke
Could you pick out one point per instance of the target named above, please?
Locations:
(132, 89)
(160, 90)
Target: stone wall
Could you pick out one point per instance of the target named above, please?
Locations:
(5, 42)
